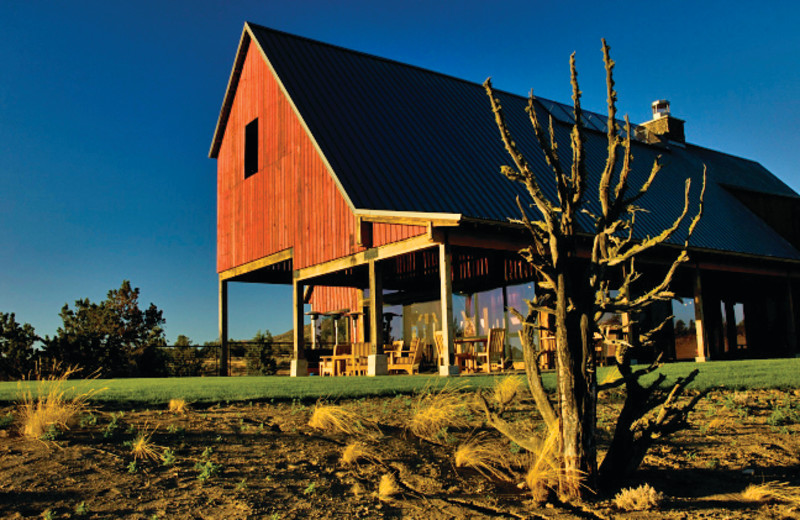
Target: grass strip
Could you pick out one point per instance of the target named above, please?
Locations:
(732, 375)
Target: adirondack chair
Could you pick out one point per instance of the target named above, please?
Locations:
(330, 365)
(357, 361)
(409, 360)
(394, 350)
(494, 356)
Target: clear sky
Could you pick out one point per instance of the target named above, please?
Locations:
(107, 110)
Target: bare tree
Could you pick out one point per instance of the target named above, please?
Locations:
(579, 290)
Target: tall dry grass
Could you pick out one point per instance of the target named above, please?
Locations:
(53, 406)
(142, 446)
(544, 467)
(437, 411)
(484, 456)
(507, 389)
(334, 418)
(356, 451)
(772, 492)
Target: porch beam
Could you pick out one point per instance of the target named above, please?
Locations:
(408, 245)
(255, 265)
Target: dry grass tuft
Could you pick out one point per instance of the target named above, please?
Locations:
(507, 389)
(485, 457)
(53, 406)
(772, 492)
(544, 470)
(179, 406)
(642, 498)
(142, 447)
(435, 412)
(388, 487)
(356, 451)
(336, 419)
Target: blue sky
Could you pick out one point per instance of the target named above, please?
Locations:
(107, 110)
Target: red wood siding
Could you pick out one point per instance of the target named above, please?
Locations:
(292, 201)
(327, 299)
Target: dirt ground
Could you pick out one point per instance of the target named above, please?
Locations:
(262, 460)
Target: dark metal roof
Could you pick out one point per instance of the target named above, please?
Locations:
(402, 138)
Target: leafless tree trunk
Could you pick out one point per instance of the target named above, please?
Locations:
(578, 291)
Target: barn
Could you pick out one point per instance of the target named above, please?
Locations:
(372, 187)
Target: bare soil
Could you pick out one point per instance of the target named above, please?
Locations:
(262, 460)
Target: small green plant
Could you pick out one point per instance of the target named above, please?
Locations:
(113, 425)
(133, 467)
(51, 433)
(168, 457)
(713, 463)
(241, 485)
(176, 430)
(310, 489)
(207, 453)
(7, 420)
(88, 419)
(82, 509)
(48, 514)
(207, 470)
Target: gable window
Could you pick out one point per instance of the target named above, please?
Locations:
(251, 148)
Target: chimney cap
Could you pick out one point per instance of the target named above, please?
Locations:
(660, 108)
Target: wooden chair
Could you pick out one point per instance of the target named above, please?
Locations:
(410, 359)
(494, 356)
(438, 340)
(394, 350)
(357, 360)
(328, 365)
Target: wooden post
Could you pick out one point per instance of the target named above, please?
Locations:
(299, 365)
(700, 320)
(376, 360)
(446, 298)
(730, 326)
(223, 327)
(507, 326)
(791, 316)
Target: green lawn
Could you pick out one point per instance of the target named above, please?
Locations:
(749, 374)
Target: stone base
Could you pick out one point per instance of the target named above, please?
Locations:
(700, 359)
(299, 368)
(451, 370)
(377, 365)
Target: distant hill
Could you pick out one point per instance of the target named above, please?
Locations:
(288, 336)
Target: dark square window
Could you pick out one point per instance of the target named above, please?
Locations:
(251, 148)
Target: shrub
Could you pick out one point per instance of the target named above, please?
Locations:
(435, 412)
(485, 457)
(53, 407)
(387, 487)
(336, 419)
(642, 498)
(507, 389)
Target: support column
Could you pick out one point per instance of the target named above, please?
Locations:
(223, 328)
(446, 298)
(299, 365)
(376, 360)
(730, 327)
(700, 320)
(791, 326)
